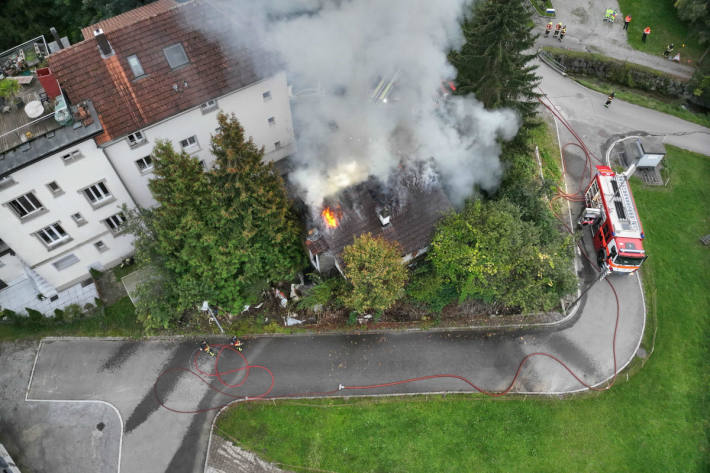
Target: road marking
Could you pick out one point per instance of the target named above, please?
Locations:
(81, 401)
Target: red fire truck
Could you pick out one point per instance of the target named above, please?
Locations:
(616, 228)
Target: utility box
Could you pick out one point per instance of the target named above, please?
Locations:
(649, 152)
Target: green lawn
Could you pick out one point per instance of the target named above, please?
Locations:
(665, 25)
(665, 105)
(655, 422)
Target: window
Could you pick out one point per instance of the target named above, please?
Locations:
(78, 219)
(145, 164)
(64, 263)
(97, 193)
(53, 235)
(115, 222)
(26, 205)
(266, 96)
(6, 181)
(101, 246)
(175, 55)
(277, 145)
(3, 285)
(135, 66)
(272, 121)
(71, 157)
(135, 139)
(54, 188)
(190, 145)
(208, 106)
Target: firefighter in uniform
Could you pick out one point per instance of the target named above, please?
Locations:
(548, 28)
(235, 343)
(563, 32)
(558, 27)
(205, 347)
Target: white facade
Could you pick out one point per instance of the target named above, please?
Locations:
(262, 108)
(60, 270)
(60, 186)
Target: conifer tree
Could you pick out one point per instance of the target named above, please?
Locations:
(494, 61)
(220, 235)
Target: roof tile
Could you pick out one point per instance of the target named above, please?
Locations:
(126, 104)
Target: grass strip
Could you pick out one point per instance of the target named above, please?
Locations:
(117, 320)
(666, 28)
(655, 422)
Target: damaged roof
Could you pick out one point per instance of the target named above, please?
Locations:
(126, 103)
(415, 211)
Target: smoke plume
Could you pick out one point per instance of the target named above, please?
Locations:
(336, 53)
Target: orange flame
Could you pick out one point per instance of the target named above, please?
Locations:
(329, 217)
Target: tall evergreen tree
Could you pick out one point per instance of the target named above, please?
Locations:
(219, 235)
(494, 61)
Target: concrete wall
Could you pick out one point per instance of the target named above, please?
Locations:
(250, 108)
(19, 234)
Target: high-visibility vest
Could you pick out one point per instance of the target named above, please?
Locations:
(647, 30)
(628, 19)
(559, 26)
(548, 27)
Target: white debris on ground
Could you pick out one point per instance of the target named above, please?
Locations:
(224, 457)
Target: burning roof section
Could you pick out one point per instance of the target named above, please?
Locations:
(405, 211)
(98, 68)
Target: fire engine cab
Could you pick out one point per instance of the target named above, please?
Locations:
(616, 228)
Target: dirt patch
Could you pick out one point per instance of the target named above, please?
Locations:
(109, 288)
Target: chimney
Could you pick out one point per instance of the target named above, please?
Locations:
(53, 30)
(49, 82)
(104, 45)
(313, 234)
(384, 215)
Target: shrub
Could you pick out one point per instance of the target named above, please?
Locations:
(321, 294)
(58, 315)
(374, 268)
(426, 287)
(35, 317)
(72, 312)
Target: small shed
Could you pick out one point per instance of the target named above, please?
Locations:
(649, 152)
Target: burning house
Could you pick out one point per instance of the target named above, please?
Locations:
(404, 211)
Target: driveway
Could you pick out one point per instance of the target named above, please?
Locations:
(587, 32)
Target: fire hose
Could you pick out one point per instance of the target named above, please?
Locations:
(207, 377)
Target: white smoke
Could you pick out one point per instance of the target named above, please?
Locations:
(335, 52)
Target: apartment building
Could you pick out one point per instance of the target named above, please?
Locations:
(60, 200)
(162, 71)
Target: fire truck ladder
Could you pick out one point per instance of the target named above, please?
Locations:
(622, 195)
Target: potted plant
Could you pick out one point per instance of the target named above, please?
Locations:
(8, 89)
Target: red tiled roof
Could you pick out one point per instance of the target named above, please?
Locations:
(129, 17)
(125, 104)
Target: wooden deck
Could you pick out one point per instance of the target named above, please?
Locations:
(13, 117)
